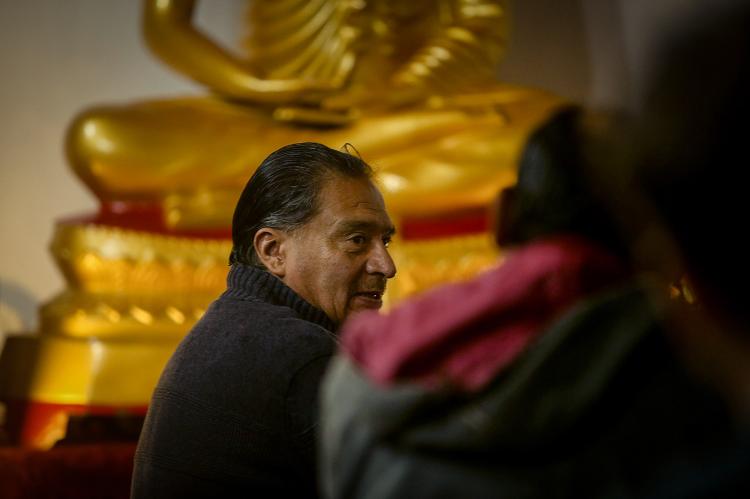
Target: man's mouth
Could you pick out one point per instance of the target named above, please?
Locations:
(368, 299)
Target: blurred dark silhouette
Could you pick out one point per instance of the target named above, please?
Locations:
(693, 163)
(552, 376)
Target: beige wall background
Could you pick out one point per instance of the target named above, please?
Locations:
(61, 56)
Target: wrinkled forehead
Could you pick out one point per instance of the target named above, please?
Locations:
(352, 200)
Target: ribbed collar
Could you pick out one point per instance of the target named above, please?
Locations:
(246, 282)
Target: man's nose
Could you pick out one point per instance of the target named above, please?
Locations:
(380, 262)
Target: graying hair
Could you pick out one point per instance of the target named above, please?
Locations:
(283, 192)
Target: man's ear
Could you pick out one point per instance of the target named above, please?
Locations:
(270, 248)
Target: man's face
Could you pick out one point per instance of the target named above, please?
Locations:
(338, 261)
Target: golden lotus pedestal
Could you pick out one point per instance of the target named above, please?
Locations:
(132, 294)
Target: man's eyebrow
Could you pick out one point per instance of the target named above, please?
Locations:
(355, 225)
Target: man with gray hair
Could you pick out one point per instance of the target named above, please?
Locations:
(234, 412)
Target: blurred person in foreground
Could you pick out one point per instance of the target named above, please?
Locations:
(549, 376)
(692, 170)
(234, 413)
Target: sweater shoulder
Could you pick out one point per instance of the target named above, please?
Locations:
(272, 325)
(250, 349)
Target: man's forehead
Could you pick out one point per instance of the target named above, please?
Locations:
(354, 223)
(353, 203)
(350, 194)
(361, 216)
(376, 207)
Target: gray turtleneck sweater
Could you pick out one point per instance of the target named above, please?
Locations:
(235, 411)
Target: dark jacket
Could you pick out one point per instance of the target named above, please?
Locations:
(547, 377)
(234, 413)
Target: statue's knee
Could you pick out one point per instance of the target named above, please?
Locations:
(91, 140)
(86, 137)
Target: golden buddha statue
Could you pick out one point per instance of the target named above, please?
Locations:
(412, 85)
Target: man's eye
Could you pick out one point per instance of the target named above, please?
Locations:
(358, 240)
(386, 241)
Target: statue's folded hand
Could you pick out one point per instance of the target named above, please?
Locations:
(360, 98)
(287, 91)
